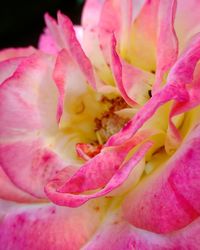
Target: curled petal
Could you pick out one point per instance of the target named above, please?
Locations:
(117, 70)
(185, 72)
(102, 170)
(132, 82)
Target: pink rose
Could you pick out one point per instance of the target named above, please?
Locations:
(100, 131)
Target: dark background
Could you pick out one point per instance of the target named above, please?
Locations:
(21, 21)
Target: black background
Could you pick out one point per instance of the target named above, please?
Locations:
(21, 22)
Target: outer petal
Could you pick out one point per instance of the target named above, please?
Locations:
(8, 67)
(12, 53)
(47, 226)
(178, 180)
(117, 234)
(10, 60)
(23, 96)
(28, 118)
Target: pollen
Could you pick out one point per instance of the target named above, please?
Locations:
(109, 122)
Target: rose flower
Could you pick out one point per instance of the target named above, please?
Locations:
(100, 131)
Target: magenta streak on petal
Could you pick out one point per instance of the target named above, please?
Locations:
(117, 71)
(182, 72)
(62, 67)
(167, 43)
(75, 49)
(119, 176)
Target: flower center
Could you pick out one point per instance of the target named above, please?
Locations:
(107, 124)
(110, 123)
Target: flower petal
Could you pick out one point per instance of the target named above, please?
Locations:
(28, 119)
(187, 25)
(185, 72)
(168, 93)
(65, 37)
(115, 18)
(30, 92)
(142, 52)
(132, 82)
(91, 12)
(90, 19)
(167, 44)
(118, 234)
(13, 52)
(47, 44)
(102, 170)
(8, 67)
(10, 192)
(47, 226)
(68, 78)
(37, 165)
(178, 180)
